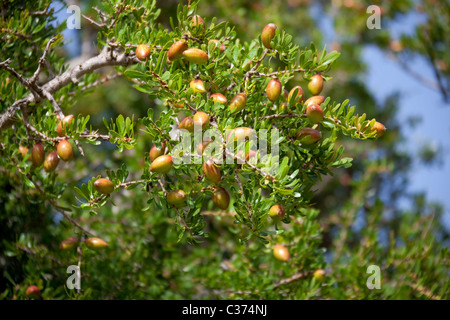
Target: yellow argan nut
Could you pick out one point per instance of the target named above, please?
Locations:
(162, 164)
(238, 102)
(273, 90)
(319, 274)
(64, 150)
(196, 56)
(69, 243)
(95, 243)
(60, 129)
(176, 50)
(187, 124)
(51, 162)
(268, 34)
(299, 97)
(318, 100)
(212, 172)
(240, 133)
(197, 86)
(218, 97)
(308, 135)
(37, 155)
(277, 212)
(104, 186)
(221, 198)
(379, 128)
(176, 198)
(201, 119)
(315, 85)
(198, 22)
(155, 152)
(314, 113)
(23, 151)
(142, 51)
(281, 253)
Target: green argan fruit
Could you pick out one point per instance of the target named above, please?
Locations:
(318, 100)
(60, 129)
(187, 124)
(104, 186)
(95, 243)
(212, 172)
(23, 151)
(51, 162)
(196, 56)
(201, 119)
(142, 51)
(273, 90)
(198, 22)
(276, 212)
(314, 113)
(221, 198)
(218, 97)
(240, 133)
(319, 274)
(379, 128)
(197, 86)
(155, 152)
(33, 292)
(281, 253)
(69, 243)
(308, 135)
(238, 102)
(65, 151)
(162, 164)
(315, 85)
(176, 50)
(299, 97)
(177, 198)
(268, 34)
(37, 155)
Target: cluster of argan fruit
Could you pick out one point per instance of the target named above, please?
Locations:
(63, 151)
(92, 242)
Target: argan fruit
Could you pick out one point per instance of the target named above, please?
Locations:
(315, 85)
(212, 172)
(178, 105)
(240, 133)
(196, 56)
(216, 42)
(379, 128)
(273, 90)
(69, 243)
(238, 102)
(221, 198)
(51, 162)
(319, 274)
(197, 86)
(142, 51)
(202, 146)
(176, 198)
(318, 100)
(283, 108)
(201, 119)
(308, 135)
(162, 164)
(60, 129)
(314, 113)
(23, 151)
(187, 124)
(104, 186)
(64, 150)
(155, 152)
(33, 292)
(218, 97)
(95, 243)
(268, 34)
(198, 22)
(281, 253)
(248, 155)
(277, 212)
(176, 50)
(37, 155)
(299, 97)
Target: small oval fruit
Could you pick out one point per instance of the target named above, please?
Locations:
(268, 34)
(197, 86)
(64, 150)
(23, 151)
(198, 22)
(162, 164)
(187, 124)
(142, 51)
(196, 56)
(308, 135)
(155, 152)
(202, 146)
(178, 105)
(222, 47)
(212, 172)
(33, 292)
(218, 97)
(277, 212)
(37, 155)
(318, 100)
(299, 97)
(60, 129)
(69, 243)
(176, 50)
(95, 243)
(51, 162)
(315, 85)
(314, 113)
(319, 274)
(238, 102)
(379, 128)
(281, 253)
(104, 186)
(240, 133)
(176, 198)
(221, 198)
(273, 90)
(201, 119)
(283, 108)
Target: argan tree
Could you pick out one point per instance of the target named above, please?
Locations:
(114, 199)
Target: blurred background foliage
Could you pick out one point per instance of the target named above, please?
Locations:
(359, 209)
